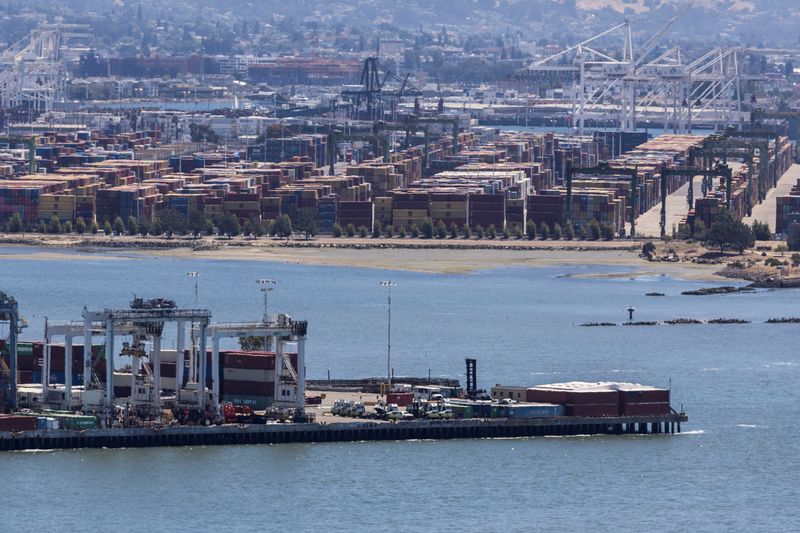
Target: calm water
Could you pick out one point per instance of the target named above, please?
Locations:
(733, 468)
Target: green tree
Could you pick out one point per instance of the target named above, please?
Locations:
(743, 237)
(362, 231)
(132, 226)
(648, 249)
(441, 230)
(15, 223)
(556, 233)
(80, 226)
(67, 226)
(544, 231)
(94, 228)
(254, 226)
(721, 232)
(351, 230)
(389, 230)
(506, 233)
(466, 231)
(41, 227)
(491, 232)
(583, 233)
(201, 133)
(196, 222)
(530, 230)
(119, 226)
(608, 232)
(518, 233)
(427, 228)
(479, 231)
(401, 231)
(229, 225)
(55, 225)
(337, 230)
(306, 222)
(414, 231)
(761, 231)
(376, 229)
(107, 227)
(283, 226)
(594, 230)
(453, 230)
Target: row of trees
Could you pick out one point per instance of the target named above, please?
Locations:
(428, 230)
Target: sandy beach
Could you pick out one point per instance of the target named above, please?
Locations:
(431, 256)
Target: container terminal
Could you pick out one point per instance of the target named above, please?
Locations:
(119, 387)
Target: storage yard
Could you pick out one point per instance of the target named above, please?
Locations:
(494, 179)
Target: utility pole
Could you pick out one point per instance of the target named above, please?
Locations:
(266, 287)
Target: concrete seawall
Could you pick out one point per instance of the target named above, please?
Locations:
(337, 432)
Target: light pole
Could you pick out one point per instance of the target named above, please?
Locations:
(196, 277)
(266, 287)
(389, 285)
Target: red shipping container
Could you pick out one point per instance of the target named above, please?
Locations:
(17, 423)
(251, 360)
(645, 409)
(168, 370)
(644, 396)
(248, 388)
(402, 399)
(593, 397)
(547, 396)
(610, 409)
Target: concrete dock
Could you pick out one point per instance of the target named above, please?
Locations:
(765, 211)
(232, 434)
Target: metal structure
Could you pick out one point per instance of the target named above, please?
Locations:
(389, 285)
(472, 377)
(708, 87)
(9, 312)
(604, 169)
(380, 92)
(289, 381)
(721, 170)
(31, 70)
(146, 319)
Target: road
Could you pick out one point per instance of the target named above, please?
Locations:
(649, 224)
(765, 211)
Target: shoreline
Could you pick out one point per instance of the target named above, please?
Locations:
(425, 256)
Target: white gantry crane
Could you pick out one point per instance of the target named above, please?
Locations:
(32, 70)
(624, 82)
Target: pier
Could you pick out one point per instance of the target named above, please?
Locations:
(232, 434)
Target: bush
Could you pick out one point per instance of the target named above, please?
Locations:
(594, 230)
(781, 249)
(94, 228)
(441, 230)
(119, 226)
(389, 230)
(41, 227)
(362, 231)
(107, 227)
(479, 231)
(67, 227)
(699, 232)
(376, 229)
(80, 226)
(569, 231)
(15, 223)
(583, 233)
(518, 233)
(492, 232)
(506, 233)
(608, 232)
(401, 232)
(761, 231)
(453, 230)
(55, 225)
(466, 232)
(350, 230)
(427, 228)
(414, 231)
(530, 230)
(544, 231)
(556, 233)
(336, 231)
(648, 249)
